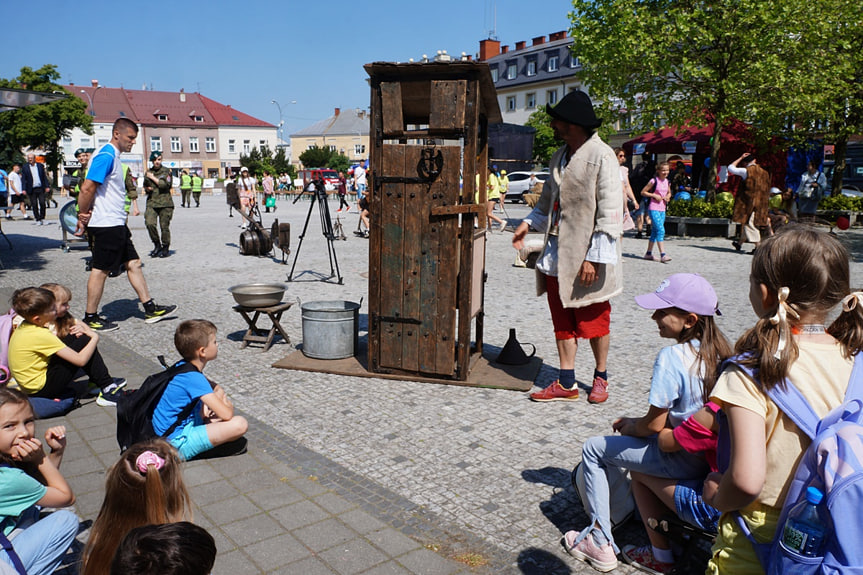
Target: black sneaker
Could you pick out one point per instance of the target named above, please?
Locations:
(99, 323)
(158, 313)
(108, 396)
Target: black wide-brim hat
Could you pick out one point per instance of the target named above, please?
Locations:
(575, 108)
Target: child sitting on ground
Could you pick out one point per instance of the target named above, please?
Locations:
(45, 365)
(144, 487)
(29, 479)
(180, 548)
(655, 496)
(212, 421)
(685, 305)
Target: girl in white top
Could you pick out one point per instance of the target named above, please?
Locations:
(798, 276)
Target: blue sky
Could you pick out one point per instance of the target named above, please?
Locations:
(247, 53)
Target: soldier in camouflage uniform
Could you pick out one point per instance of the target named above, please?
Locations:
(160, 206)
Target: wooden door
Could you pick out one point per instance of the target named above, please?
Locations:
(419, 262)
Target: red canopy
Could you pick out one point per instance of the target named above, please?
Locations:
(736, 139)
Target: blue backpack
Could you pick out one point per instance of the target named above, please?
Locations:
(834, 464)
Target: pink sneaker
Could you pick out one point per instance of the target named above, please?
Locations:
(599, 391)
(642, 559)
(600, 558)
(555, 392)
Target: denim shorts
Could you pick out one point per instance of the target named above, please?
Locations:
(691, 507)
(192, 440)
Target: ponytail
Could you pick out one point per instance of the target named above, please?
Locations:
(848, 327)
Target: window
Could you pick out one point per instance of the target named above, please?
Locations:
(494, 74)
(155, 143)
(510, 104)
(574, 62)
(530, 100)
(198, 119)
(531, 67)
(85, 142)
(359, 149)
(102, 142)
(162, 117)
(551, 97)
(511, 71)
(247, 147)
(232, 146)
(193, 145)
(210, 144)
(262, 143)
(67, 140)
(332, 148)
(176, 144)
(553, 63)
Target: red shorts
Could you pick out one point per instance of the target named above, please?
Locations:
(576, 322)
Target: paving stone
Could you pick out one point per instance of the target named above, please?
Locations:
(299, 515)
(278, 551)
(229, 510)
(360, 521)
(324, 534)
(427, 562)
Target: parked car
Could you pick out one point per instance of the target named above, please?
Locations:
(330, 177)
(518, 185)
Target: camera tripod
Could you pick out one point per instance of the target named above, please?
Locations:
(320, 197)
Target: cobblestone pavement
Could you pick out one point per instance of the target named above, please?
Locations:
(477, 474)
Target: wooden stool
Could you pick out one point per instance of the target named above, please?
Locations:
(255, 334)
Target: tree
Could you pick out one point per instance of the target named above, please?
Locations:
(318, 157)
(544, 142)
(689, 62)
(282, 164)
(43, 126)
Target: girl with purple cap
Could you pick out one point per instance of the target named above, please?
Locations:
(684, 307)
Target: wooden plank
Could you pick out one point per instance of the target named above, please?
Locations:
(415, 220)
(391, 107)
(392, 257)
(375, 242)
(445, 232)
(447, 100)
(461, 209)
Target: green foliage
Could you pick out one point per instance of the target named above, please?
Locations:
(264, 159)
(282, 164)
(317, 157)
(841, 203)
(42, 126)
(544, 142)
(697, 62)
(698, 208)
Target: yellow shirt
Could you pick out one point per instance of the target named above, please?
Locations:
(30, 349)
(821, 374)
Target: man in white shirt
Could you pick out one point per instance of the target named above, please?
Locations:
(360, 182)
(102, 212)
(16, 191)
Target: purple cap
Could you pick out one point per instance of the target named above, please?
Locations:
(689, 292)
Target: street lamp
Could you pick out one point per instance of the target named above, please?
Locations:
(92, 108)
(281, 121)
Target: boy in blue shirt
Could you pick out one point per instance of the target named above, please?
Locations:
(212, 421)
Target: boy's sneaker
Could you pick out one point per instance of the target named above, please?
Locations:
(642, 559)
(158, 313)
(600, 558)
(555, 392)
(99, 323)
(599, 392)
(108, 396)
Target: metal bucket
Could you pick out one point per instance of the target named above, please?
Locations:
(330, 329)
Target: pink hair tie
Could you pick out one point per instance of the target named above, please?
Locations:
(149, 458)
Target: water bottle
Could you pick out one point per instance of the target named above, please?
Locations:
(805, 532)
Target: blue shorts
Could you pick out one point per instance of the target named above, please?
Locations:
(691, 507)
(657, 226)
(192, 440)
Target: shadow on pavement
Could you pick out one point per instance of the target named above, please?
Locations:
(535, 561)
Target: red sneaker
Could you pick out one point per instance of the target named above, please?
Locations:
(555, 392)
(599, 392)
(642, 559)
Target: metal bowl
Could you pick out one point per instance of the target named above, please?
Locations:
(258, 295)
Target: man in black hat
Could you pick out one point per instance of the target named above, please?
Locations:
(581, 207)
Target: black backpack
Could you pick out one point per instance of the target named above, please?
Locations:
(135, 407)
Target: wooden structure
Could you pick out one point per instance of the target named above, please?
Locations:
(426, 258)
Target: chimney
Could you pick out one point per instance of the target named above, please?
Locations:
(504, 49)
(94, 83)
(182, 94)
(337, 112)
(520, 45)
(557, 36)
(538, 40)
(488, 49)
